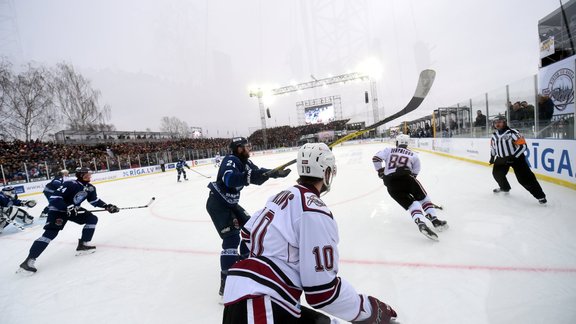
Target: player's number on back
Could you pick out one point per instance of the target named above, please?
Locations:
(397, 161)
(324, 259)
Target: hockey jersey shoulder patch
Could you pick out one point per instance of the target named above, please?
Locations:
(311, 202)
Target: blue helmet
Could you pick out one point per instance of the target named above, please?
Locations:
(9, 191)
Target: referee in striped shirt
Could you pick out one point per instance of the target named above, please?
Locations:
(507, 148)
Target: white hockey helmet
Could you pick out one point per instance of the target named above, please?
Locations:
(316, 160)
(402, 140)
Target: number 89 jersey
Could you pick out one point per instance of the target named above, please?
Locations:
(293, 249)
(395, 159)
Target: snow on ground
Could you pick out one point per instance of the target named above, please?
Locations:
(505, 259)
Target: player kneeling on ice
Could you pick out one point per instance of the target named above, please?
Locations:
(293, 244)
(65, 206)
(398, 167)
(9, 211)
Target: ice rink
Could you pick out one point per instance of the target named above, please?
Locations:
(505, 259)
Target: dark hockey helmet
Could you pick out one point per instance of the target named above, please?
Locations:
(80, 172)
(237, 142)
(500, 118)
(9, 191)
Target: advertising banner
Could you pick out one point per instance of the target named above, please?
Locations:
(557, 82)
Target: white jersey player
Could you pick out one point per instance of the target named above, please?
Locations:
(217, 160)
(293, 245)
(398, 167)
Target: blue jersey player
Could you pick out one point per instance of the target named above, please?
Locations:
(9, 208)
(180, 168)
(52, 186)
(65, 206)
(236, 171)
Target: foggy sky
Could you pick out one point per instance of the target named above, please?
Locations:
(196, 59)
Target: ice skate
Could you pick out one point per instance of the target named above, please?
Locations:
(426, 231)
(438, 224)
(542, 201)
(83, 249)
(500, 190)
(27, 267)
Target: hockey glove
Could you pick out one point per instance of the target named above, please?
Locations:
(381, 173)
(111, 208)
(492, 157)
(257, 176)
(279, 173)
(381, 313)
(29, 203)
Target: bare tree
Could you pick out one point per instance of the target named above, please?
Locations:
(77, 100)
(27, 110)
(174, 125)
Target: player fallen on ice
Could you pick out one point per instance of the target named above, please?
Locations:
(180, 168)
(65, 206)
(10, 211)
(293, 244)
(52, 186)
(507, 150)
(235, 172)
(398, 167)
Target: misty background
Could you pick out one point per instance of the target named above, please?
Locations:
(196, 60)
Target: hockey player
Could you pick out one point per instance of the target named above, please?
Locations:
(52, 186)
(180, 168)
(507, 148)
(293, 245)
(217, 160)
(65, 206)
(235, 172)
(398, 167)
(9, 211)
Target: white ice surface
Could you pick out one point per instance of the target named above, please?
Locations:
(505, 259)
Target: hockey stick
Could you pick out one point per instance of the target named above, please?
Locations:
(133, 207)
(425, 82)
(205, 176)
(437, 206)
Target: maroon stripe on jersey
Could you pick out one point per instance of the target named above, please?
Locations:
(321, 298)
(262, 273)
(312, 200)
(376, 159)
(259, 310)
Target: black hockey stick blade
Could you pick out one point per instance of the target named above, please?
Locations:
(425, 82)
(437, 206)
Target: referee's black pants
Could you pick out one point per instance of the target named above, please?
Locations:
(523, 173)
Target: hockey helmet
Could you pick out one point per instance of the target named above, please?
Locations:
(402, 140)
(500, 118)
(64, 172)
(80, 172)
(316, 160)
(237, 142)
(9, 191)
